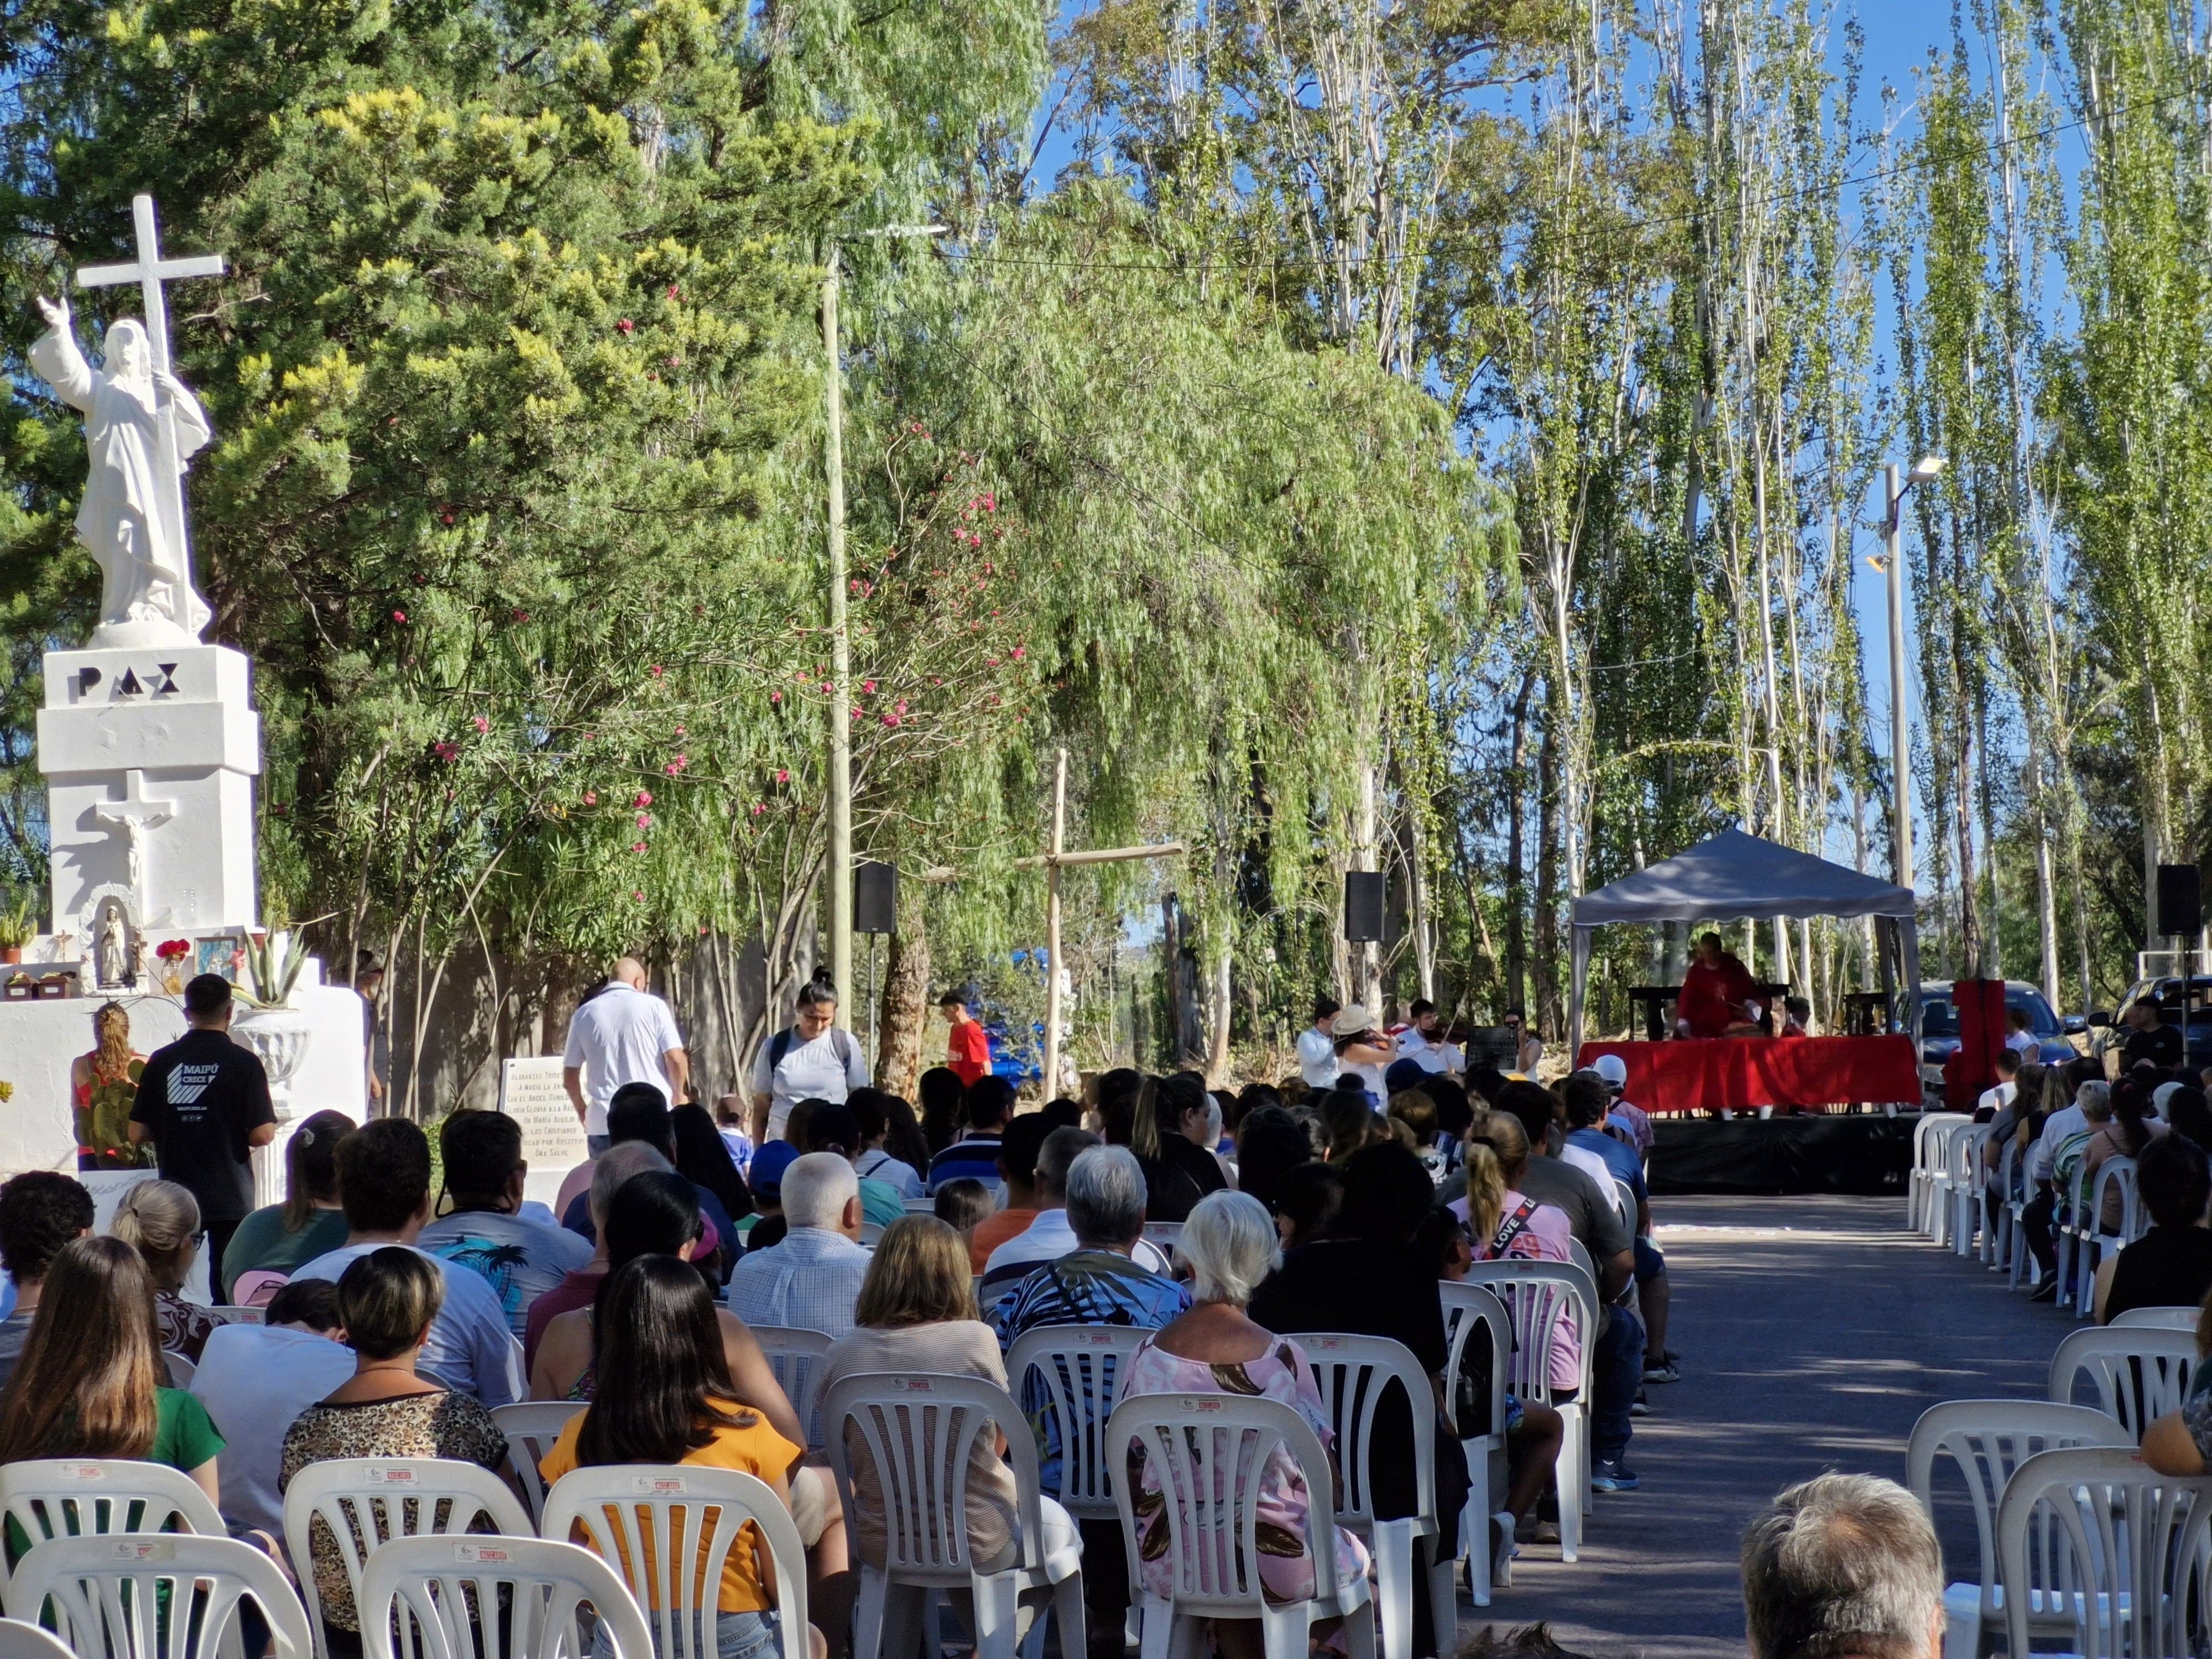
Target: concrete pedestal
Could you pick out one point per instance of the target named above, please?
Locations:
(150, 757)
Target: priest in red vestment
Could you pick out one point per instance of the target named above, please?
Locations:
(1714, 992)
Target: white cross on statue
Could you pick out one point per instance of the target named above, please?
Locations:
(131, 819)
(149, 271)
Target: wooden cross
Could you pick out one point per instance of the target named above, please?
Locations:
(1056, 859)
(149, 271)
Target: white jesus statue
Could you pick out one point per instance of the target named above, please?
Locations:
(132, 518)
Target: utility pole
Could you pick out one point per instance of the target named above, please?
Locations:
(841, 649)
(1924, 470)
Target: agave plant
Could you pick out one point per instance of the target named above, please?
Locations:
(273, 962)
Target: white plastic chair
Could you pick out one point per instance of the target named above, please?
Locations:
(232, 1313)
(366, 1501)
(1624, 1204)
(1963, 1169)
(2105, 1551)
(2096, 1242)
(435, 1580)
(916, 1432)
(2066, 1225)
(921, 1206)
(1936, 1217)
(2154, 1319)
(1988, 1439)
(20, 1640)
(1475, 1329)
(1075, 1367)
(633, 1514)
(1164, 1234)
(110, 1600)
(871, 1234)
(1212, 1519)
(181, 1369)
(1354, 1373)
(2139, 1374)
(90, 1496)
(795, 1357)
(1925, 1166)
(1538, 1296)
(530, 1427)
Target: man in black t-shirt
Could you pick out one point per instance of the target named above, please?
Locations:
(2150, 1037)
(203, 1102)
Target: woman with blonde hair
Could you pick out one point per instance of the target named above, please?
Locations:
(91, 1381)
(917, 1313)
(160, 1220)
(103, 1086)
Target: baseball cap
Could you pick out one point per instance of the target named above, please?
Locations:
(1613, 1069)
(769, 1162)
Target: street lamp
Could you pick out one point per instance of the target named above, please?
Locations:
(841, 641)
(1926, 470)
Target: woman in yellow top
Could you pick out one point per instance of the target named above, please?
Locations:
(664, 1395)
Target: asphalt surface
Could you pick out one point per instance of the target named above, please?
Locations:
(1812, 1332)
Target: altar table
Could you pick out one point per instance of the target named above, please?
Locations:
(1688, 1075)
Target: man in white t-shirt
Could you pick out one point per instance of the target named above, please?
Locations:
(623, 1034)
(1422, 1042)
(255, 1379)
(1317, 1062)
(811, 1059)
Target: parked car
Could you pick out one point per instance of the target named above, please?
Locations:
(1939, 1025)
(2186, 1003)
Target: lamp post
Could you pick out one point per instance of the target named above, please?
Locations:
(841, 639)
(1892, 565)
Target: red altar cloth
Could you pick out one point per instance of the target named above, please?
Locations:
(1740, 1073)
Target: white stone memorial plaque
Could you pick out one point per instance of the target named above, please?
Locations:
(530, 1092)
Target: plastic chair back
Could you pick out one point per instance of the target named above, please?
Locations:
(1479, 1336)
(170, 1596)
(365, 1502)
(2154, 1319)
(2094, 1538)
(795, 1357)
(530, 1427)
(667, 1531)
(1164, 1234)
(20, 1640)
(430, 1583)
(90, 1497)
(1354, 1374)
(1212, 1452)
(1065, 1374)
(2137, 1376)
(181, 1369)
(1538, 1296)
(916, 1431)
(1988, 1439)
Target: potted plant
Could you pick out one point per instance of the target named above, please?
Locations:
(273, 962)
(19, 925)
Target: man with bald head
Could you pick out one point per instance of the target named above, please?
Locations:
(621, 1033)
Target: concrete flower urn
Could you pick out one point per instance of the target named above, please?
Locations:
(279, 1039)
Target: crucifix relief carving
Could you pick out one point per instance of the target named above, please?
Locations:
(129, 819)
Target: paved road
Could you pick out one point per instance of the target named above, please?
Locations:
(1813, 1331)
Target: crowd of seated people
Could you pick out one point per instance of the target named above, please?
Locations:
(401, 1309)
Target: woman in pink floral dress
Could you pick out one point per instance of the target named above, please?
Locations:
(1229, 1241)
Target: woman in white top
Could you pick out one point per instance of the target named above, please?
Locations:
(1362, 1052)
(812, 1059)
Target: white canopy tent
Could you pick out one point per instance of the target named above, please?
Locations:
(1739, 878)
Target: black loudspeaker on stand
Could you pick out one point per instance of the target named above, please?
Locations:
(1363, 906)
(875, 898)
(2180, 901)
